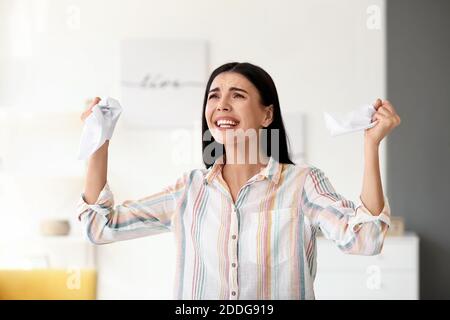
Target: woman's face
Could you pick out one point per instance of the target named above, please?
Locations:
(234, 103)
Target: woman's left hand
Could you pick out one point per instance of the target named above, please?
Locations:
(387, 119)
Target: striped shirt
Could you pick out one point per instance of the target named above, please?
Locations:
(262, 246)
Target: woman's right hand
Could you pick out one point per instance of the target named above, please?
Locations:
(88, 111)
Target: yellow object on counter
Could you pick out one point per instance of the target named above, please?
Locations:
(48, 284)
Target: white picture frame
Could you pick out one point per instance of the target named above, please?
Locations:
(162, 82)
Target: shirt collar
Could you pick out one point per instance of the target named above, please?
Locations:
(272, 171)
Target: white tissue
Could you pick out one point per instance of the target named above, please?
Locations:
(359, 119)
(99, 126)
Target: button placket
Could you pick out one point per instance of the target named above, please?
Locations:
(233, 255)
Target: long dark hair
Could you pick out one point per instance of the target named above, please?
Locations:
(269, 96)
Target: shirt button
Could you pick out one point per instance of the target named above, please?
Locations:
(233, 265)
(233, 293)
(233, 237)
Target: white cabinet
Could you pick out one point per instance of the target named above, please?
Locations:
(393, 274)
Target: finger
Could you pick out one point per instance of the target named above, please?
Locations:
(378, 116)
(377, 103)
(389, 106)
(384, 111)
(85, 114)
(91, 104)
(95, 101)
(375, 123)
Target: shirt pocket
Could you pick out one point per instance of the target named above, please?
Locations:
(269, 236)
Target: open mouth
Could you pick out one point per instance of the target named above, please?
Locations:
(226, 124)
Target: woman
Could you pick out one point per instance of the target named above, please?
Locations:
(246, 228)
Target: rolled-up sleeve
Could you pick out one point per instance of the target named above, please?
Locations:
(103, 222)
(351, 226)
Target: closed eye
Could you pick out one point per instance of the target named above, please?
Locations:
(237, 95)
(212, 96)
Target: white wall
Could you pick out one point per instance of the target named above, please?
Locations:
(320, 53)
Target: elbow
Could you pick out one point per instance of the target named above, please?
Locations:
(365, 251)
(95, 235)
(96, 240)
(379, 248)
(99, 235)
(369, 240)
(371, 248)
(92, 239)
(95, 228)
(376, 251)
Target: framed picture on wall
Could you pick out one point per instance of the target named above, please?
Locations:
(162, 82)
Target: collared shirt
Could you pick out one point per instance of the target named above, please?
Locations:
(262, 246)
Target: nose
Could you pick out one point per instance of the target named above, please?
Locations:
(223, 106)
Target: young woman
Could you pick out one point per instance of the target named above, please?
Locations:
(246, 228)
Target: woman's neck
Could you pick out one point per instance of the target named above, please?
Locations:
(240, 165)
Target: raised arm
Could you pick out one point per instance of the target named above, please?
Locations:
(352, 226)
(372, 190)
(104, 223)
(97, 168)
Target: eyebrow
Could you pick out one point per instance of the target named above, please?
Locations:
(231, 89)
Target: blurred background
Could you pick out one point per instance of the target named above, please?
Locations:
(155, 58)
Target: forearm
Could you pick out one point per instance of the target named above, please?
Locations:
(372, 194)
(96, 173)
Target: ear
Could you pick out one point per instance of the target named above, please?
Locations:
(268, 117)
